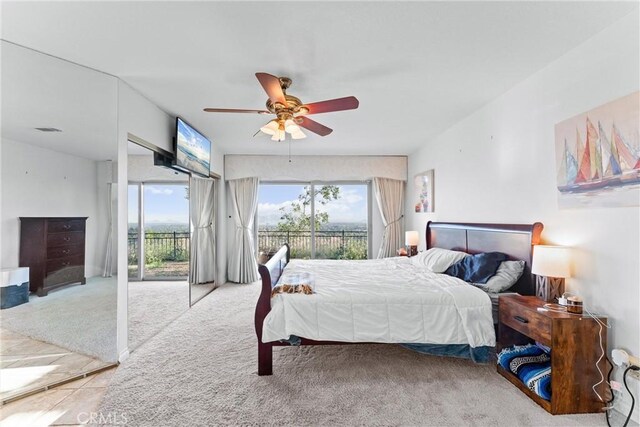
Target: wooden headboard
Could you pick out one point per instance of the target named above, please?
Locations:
(514, 240)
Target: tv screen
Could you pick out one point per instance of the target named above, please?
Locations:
(193, 149)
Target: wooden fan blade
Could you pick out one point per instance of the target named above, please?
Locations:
(234, 110)
(338, 104)
(313, 126)
(271, 85)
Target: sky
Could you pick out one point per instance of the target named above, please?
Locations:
(162, 204)
(350, 207)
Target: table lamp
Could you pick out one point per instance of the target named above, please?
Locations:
(411, 239)
(551, 267)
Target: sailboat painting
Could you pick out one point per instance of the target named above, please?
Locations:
(598, 156)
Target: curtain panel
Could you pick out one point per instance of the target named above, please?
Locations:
(243, 267)
(390, 196)
(108, 257)
(202, 257)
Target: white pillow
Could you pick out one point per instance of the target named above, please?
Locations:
(437, 259)
(507, 275)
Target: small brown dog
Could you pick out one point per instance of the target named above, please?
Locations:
(292, 289)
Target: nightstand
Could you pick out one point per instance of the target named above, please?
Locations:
(575, 349)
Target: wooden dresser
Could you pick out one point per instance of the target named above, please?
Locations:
(53, 249)
(575, 350)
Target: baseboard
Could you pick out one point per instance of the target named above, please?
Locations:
(124, 355)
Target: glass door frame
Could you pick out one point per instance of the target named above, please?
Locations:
(314, 183)
(141, 232)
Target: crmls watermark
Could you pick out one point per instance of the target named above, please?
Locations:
(111, 418)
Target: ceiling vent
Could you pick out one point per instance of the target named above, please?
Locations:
(48, 130)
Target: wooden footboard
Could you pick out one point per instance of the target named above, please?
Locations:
(270, 274)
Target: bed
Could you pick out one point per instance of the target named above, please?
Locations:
(390, 300)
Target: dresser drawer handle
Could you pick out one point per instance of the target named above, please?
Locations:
(65, 251)
(66, 263)
(521, 319)
(66, 226)
(66, 239)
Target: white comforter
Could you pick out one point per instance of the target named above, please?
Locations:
(388, 301)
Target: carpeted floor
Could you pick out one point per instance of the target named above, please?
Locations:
(81, 318)
(152, 306)
(201, 371)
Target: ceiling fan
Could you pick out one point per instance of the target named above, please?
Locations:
(291, 113)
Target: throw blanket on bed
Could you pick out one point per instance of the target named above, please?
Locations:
(531, 365)
(386, 300)
(294, 284)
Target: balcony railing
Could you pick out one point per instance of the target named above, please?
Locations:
(174, 246)
(160, 247)
(340, 244)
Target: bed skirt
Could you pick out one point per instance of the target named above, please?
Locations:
(482, 354)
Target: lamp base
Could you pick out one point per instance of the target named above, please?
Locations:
(549, 288)
(412, 250)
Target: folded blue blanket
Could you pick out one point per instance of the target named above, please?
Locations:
(531, 364)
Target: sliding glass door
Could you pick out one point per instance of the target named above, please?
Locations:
(317, 220)
(158, 231)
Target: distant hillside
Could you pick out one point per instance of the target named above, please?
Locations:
(334, 226)
(161, 228)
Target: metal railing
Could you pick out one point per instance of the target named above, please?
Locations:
(172, 246)
(339, 244)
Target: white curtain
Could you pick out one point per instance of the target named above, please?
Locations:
(243, 267)
(390, 196)
(108, 258)
(202, 258)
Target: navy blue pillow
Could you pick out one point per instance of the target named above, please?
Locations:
(477, 268)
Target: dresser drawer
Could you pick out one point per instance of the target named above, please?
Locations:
(70, 274)
(64, 251)
(64, 225)
(525, 320)
(65, 239)
(65, 262)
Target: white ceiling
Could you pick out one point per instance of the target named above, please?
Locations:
(416, 67)
(41, 91)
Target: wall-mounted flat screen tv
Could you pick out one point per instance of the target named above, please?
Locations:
(193, 149)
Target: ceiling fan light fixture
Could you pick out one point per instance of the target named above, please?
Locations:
(298, 135)
(279, 135)
(270, 128)
(291, 126)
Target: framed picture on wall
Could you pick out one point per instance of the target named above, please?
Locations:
(423, 187)
(598, 156)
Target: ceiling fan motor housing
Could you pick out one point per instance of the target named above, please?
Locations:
(294, 105)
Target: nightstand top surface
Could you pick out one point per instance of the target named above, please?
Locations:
(533, 303)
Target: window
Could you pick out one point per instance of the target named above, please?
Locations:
(317, 220)
(159, 229)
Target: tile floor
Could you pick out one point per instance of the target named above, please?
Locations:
(74, 403)
(27, 364)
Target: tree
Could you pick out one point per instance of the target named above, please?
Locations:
(296, 218)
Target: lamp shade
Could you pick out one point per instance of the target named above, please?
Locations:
(291, 126)
(270, 128)
(411, 238)
(550, 261)
(298, 135)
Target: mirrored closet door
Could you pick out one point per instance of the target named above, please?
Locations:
(58, 183)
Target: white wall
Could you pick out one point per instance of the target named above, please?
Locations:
(142, 169)
(318, 168)
(498, 165)
(40, 182)
(140, 117)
